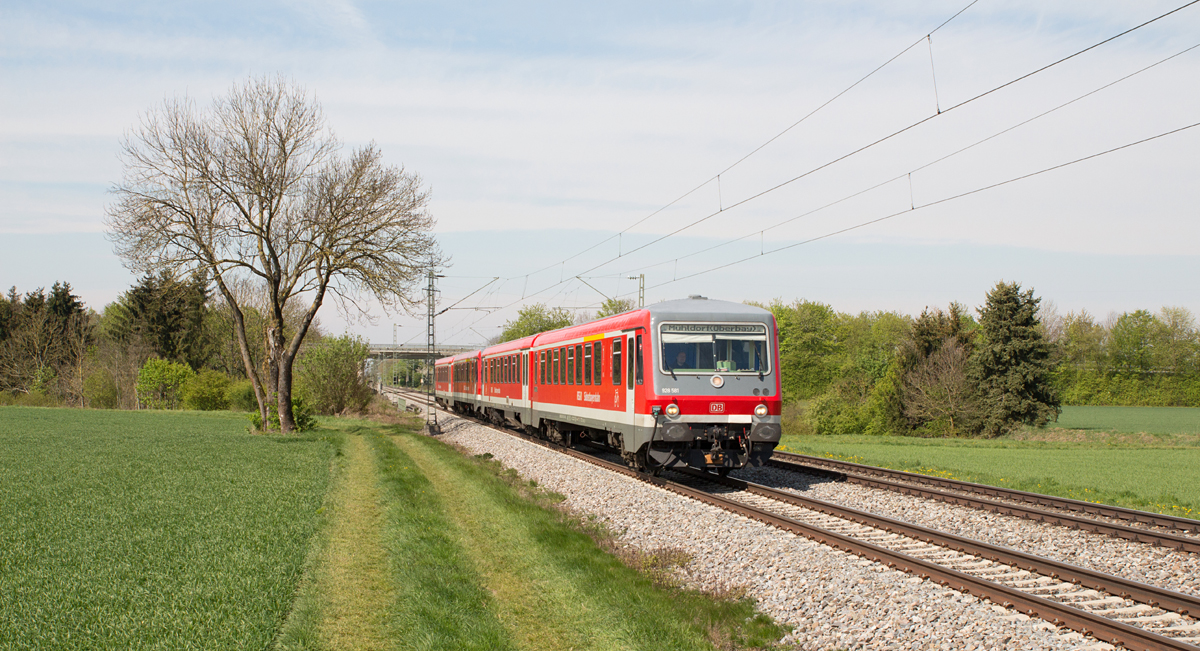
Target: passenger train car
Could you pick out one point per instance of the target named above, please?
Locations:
(690, 382)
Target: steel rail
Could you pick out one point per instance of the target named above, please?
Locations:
(1135, 534)
(1059, 614)
(1056, 613)
(1125, 588)
(856, 471)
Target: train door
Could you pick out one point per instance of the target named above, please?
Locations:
(526, 390)
(631, 353)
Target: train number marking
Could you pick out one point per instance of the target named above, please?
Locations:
(716, 407)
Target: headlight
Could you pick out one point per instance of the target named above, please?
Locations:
(672, 410)
(760, 411)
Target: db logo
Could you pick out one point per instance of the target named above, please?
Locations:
(716, 407)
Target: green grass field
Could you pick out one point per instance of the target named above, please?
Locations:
(150, 530)
(433, 550)
(1157, 421)
(179, 530)
(1140, 457)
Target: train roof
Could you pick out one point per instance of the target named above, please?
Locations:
(456, 358)
(694, 308)
(700, 308)
(515, 344)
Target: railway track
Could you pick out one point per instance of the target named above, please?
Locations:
(1167, 531)
(1108, 608)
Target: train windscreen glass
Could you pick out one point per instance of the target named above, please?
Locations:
(713, 347)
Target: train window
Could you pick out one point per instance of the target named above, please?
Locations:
(570, 365)
(629, 355)
(637, 360)
(617, 369)
(707, 348)
(578, 364)
(598, 366)
(541, 364)
(587, 364)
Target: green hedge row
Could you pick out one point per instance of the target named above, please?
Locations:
(1091, 388)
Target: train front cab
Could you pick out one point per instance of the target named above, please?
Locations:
(713, 398)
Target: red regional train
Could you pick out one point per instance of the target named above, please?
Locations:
(690, 382)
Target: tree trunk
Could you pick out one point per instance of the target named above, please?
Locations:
(244, 344)
(287, 357)
(281, 385)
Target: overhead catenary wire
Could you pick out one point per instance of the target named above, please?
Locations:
(759, 148)
(938, 202)
(566, 280)
(908, 174)
(891, 135)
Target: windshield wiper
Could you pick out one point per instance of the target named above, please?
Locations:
(672, 370)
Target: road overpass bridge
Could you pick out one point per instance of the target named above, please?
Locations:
(400, 351)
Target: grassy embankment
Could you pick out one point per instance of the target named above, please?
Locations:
(464, 555)
(1140, 457)
(179, 530)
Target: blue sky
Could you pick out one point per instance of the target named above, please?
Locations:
(544, 128)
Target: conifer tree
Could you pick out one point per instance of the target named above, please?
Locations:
(1012, 364)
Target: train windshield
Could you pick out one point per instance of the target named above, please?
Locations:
(714, 347)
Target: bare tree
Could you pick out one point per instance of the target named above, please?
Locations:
(254, 188)
(938, 389)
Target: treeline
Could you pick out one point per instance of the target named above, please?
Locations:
(959, 372)
(165, 343)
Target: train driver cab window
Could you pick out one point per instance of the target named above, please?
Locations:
(617, 369)
(713, 347)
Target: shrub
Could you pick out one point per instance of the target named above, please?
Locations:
(28, 399)
(330, 375)
(160, 383)
(100, 390)
(206, 391)
(239, 396)
(302, 413)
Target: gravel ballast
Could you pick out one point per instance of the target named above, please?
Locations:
(1158, 566)
(833, 599)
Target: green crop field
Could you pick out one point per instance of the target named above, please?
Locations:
(1132, 420)
(138, 530)
(1140, 457)
(179, 530)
